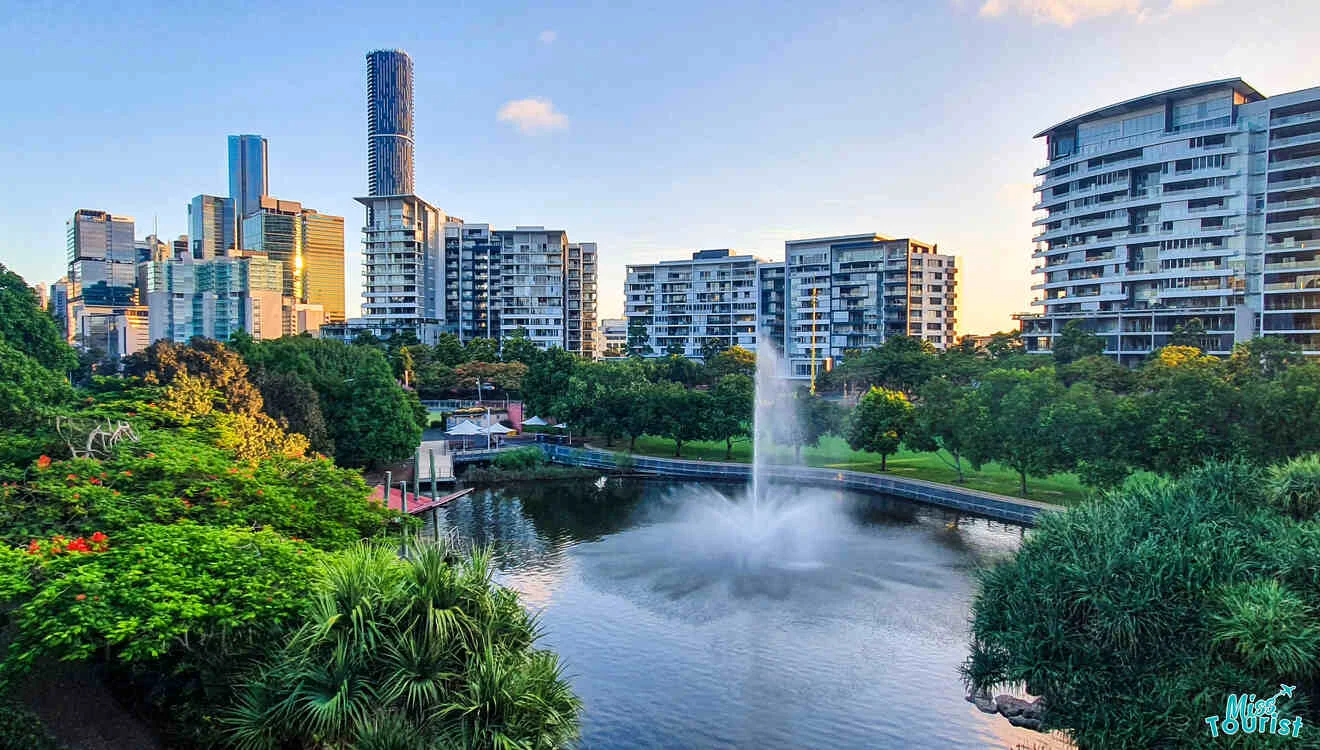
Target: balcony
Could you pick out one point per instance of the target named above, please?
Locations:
(1305, 222)
(1295, 140)
(1304, 161)
(1295, 119)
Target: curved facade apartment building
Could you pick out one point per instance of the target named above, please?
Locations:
(1196, 203)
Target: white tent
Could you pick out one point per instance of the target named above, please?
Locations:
(496, 429)
(561, 426)
(465, 428)
(535, 422)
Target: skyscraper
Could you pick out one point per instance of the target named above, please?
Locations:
(389, 123)
(276, 230)
(248, 180)
(323, 263)
(211, 227)
(105, 304)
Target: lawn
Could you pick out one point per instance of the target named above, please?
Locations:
(834, 453)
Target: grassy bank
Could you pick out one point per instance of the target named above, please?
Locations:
(834, 453)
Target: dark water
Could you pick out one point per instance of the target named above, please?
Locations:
(844, 630)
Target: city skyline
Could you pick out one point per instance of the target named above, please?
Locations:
(744, 145)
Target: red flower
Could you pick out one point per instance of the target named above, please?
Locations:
(79, 545)
(72, 477)
(34, 547)
(80, 597)
(187, 504)
(95, 480)
(126, 473)
(99, 537)
(43, 462)
(151, 455)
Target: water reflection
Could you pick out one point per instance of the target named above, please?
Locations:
(847, 636)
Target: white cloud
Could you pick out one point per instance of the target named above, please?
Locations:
(532, 115)
(549, 36)
(1069, 12)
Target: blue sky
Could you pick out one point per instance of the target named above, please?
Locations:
(651, 131)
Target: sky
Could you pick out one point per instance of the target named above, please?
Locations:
(651, 131)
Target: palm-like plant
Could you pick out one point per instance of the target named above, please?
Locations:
(406, 653)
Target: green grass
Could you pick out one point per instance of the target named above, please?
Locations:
(834, 453)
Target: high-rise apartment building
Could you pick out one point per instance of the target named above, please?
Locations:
(249, 182)
(211, 227)
(1196, 203)
(472, 272)
(215, 298)
(59, 304)
(580, 299)
(612, 338)
(770, 311)
(533, 284)
(106, 314)
(690, 306)
(403, 267)
(323, 264)
(389, 123)
(181, 246)
(855, 291)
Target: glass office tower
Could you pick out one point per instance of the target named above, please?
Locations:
(248, 180)
(389, 123)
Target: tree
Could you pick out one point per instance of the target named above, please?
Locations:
(639, 339)
(939, 419)
(901, 363)
(294, 403)
(517, 347)
(1004, 344)
(815, 418)
(879, 423)
(366, 338)
(372, 421)
(1191, 333)
(544, 383)
(1009, 413)
(732, 361)
(28, 328)
(681, 414)
(220, 369)
(449, 350)
(638, 415)
(675, 348)
(710, 347)
(1133, 618)
(1100, 371)
(1191, 412)
(677, 369)
(481, 350)
(29, 392)
(424, 651)
(1265, 358)
(730, 418)
(1074, 342)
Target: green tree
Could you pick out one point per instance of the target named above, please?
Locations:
(681, 414)
(639, 340)
(638, 414)
(677, 369)
(730, 418)
(294, 403)
(449, 350)
(29, 392)
(220, 369)
(544, 383)
(901, 363)
(366, 338)
(879, 423)
(1010, 422)
(815, 418)
(674, 348)
(1134, 617)
(732, 361)
(1191, 333)
(1263, 358)
(421, 652)
(711, 347)
(939, 420)
(28, 328)
(1100, 371)
(1191, 411)
(517, 347)
(481, 350)
(1004, 344)
(1074, 342)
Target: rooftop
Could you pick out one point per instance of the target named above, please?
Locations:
(1141, 102)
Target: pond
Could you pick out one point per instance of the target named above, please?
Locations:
(672, 643)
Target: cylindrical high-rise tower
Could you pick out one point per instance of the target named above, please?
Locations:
(389, 123)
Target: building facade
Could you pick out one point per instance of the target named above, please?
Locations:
(389, 123)
(580, 300)
(106, 310)
(249, 182)
(1193, 205)
(770, 309)
(707, 302)
(533, 284)
(855, 291)
(612, 338)
(323, 265)
(211, 227)
(403, 279)
(215, 298)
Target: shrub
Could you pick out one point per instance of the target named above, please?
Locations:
(1294, 487)
(520, 459)
(20, 729)
(422, 652)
